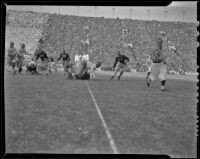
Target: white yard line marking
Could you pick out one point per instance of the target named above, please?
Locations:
(112, 143)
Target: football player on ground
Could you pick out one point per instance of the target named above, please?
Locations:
(12, 57)
(82, 71)
(120, 64)
(159, 66)
(86, 70)
(65, 61)
(31, 67)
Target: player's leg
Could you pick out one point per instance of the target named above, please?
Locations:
(92, 74)
(20, 65)
(54, 66)
(122, 70)
(120, 74)
(163, 76)
(50, 67)
(13, 66)
(45, 67)
(117, 69)
(155, 68)
(66, 68)
(9, 65)
(148, 72)
(64, 64)
(69, 73)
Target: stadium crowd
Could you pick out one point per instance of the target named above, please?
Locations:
(106, 38)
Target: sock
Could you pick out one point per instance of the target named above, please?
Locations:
(163, 83)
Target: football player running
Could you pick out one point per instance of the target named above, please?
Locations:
(120, 65)
(65, 61)
(159, 66)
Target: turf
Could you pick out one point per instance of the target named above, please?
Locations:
(50, 114)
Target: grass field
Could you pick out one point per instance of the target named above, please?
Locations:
(50, 114)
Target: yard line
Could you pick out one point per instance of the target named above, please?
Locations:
(112, 143)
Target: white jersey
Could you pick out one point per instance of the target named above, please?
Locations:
(78, 58)
(86, 57)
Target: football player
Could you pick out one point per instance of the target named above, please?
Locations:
(159, 66)
(31, 67)
(39, 47)
(12, 57)
(86, 70)
(52, 64)
(20, 56)
(65, 61)
(82, 71)
(44, 61)
(120, 65)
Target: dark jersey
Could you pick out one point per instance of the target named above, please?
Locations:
(157, 56)
(64, 56)
(42, 55)
(51, 59)
(121, 59)
(38, 50)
